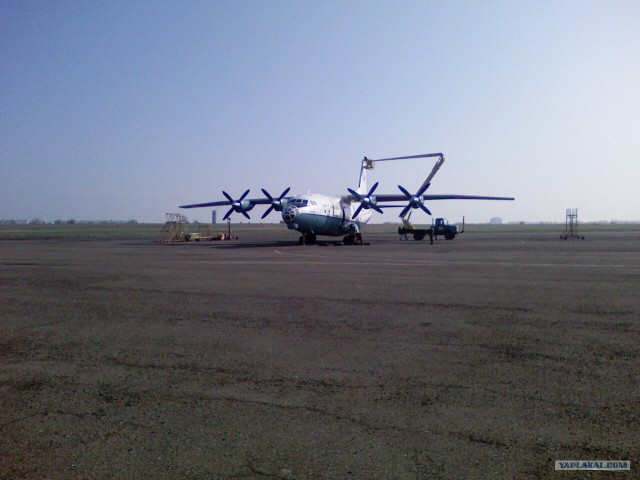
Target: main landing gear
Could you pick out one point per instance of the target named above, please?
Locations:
(307, 239)
(351, 239)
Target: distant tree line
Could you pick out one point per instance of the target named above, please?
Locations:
(71, 221)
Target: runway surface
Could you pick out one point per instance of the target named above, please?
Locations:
(490, 356)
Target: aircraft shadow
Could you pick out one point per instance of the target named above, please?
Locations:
(236, 244)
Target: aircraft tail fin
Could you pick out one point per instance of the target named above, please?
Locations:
(362, 184)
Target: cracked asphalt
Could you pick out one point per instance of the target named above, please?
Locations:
(490, 356)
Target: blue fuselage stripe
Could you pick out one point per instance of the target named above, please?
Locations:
(319, 224)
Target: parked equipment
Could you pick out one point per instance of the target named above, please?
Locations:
(439, 227)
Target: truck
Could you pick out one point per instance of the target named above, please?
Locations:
(439, 227)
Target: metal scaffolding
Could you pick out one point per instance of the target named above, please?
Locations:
(174, 228)
(571, 225)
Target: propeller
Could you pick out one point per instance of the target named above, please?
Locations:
(414, 200)
(236, 205)
(366, 201)
(276, 203)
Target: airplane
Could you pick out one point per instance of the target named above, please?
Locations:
(316, 214)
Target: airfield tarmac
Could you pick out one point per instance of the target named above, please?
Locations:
(490, 356)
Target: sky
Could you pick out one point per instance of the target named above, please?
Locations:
(126, 110)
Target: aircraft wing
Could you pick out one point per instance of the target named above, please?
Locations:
(399, 198)
(251, 201)
(417, 200)
(243, 205)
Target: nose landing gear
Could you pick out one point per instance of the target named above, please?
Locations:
(353, 239)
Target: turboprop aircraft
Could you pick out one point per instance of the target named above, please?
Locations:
(315, 214)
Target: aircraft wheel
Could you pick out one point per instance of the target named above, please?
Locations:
(301, 240)
(309, 239)
(348, 240)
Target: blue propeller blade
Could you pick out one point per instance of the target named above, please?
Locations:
(266, 194)
(228, 213)
(355, 214)
(403, 190)
(267, 211)
(425, 209)
(405, 210)
(228, 196)
(376, 208)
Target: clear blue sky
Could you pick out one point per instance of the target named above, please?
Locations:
(125, 110)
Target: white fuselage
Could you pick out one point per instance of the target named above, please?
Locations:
(318, 214)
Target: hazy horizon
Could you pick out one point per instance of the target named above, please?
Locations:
(422, 220)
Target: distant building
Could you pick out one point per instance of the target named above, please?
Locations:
(214, 217)
(495, 221)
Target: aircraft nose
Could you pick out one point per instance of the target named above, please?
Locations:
(289, 213)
